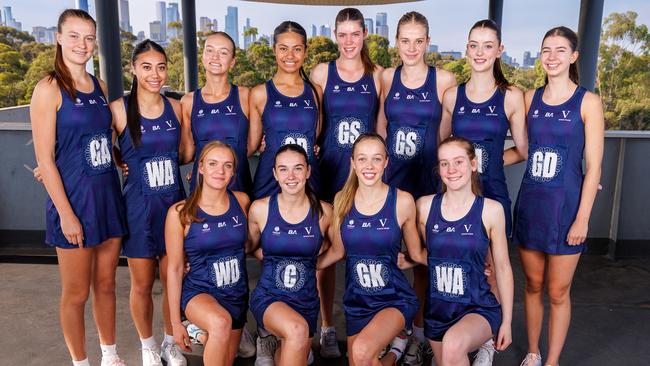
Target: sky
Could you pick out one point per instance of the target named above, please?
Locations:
(524, 21)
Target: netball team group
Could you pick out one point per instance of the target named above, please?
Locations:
(390, 169)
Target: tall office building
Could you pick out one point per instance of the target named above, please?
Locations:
(161, 17)
(172, 16)
(314, 30)
(44, 34)
(326, 31)
(529, 61)
(155, 31)
(381, 24)
(81, 4)
(369, 25)
(125, 19)
(433, 48)
(205, 24)
(248, 40)
(232, 24)
(8, 19)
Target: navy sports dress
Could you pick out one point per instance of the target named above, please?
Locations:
(413, 117)
(215, 251)
(286, 120)
(224, 121)
(153, 183)
(373, 281)
(457, 282)
(550, 191)
(289, 266)
(486, 126)
(350, 109)
(83, 156)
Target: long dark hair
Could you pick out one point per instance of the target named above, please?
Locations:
(500, 79)
(61, 73)
(290, 26)
(353, 14)
(133, 110)
(572, 37)
(314, 202)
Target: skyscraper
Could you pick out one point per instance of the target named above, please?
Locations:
(232, 24)
(381, 22)
(314, 30)
(161, 17)
(81, 4)
(8, 19)
(125, 20)
(369, 25)
(155, 31)
(325, 31)
(172, 16)
(248, 39)
(205, 24)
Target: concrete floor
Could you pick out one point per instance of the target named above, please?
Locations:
(610, 326)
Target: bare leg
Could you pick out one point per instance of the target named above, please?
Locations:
(561, 269)
(366, 345)
(285, 323)
(142, 272)
(103, 288)
(75, 268)
(326, 281)
(206, 312)
(165, 304)
(463, 337)
(533, 263)
(420, 283)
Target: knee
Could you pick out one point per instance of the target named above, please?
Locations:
(362, 353)
(75, 295)
(534, 287)
(141, 289)
(297, 334)
(558, 295)
(453, 349)
(104, 285)
(219, 327)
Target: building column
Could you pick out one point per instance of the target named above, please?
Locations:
(108, 36)
(495, 11)
(189, 45)
(591, 20)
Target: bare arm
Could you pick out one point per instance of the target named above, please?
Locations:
(448, 105)
(336, 251)
(256, 108)
(382, 120)
(406, 215)
(44, 104)
(515, 108)
(592, 115)
(257, 216)
(188, 148)
(174, 237)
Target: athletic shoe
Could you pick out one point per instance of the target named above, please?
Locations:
(195, 333)
(310, 357)
(329, 347)
(151, 357)
(414, 354)
(114, 360)
(246, 345)
(172, 354)
(266, 350)
(532, 359)
(485, 354)
(398, 345)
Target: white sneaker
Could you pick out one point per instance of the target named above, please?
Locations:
(114, 360)
(398, 345)
(195, 333)
(310, 357)
(246, 345)
(414, 354)
(172, 354)
(266, 350)
(329, 347)
(532, 359)
(485, 354)
(151, 357)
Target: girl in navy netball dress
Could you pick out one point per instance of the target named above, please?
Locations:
(565, 126)
(459, 225)
(350, 87)
(149, 139)
(218, 111)
(73, 138)
(210, 230)
(287, 229)
(409, 118)
(371, 219)
(285, 109)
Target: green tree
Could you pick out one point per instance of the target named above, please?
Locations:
(319, 49)
(175, 70)
(378, 50)
(178, 26)
(38, 69)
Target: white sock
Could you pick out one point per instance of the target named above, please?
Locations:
(418, 332)
(83, 362)
(149, 343)
(168, 339)
(108, 350)
(397, 353)
(324, 330)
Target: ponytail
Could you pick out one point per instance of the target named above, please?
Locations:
(133, 114)
(305, 78)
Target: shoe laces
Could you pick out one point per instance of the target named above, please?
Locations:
(114, 360)
(151, 354)
(328, 338)
(268, 345)
(530, 357)
(413, 353)
(173, 350)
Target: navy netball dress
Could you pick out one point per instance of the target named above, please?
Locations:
(286, 120)
(289, 266)
(224, 121)
(153, 183)
(486, 126)
(373, 280)
(457, 282)
(83, 155)
(215, 250)
(550, 191)
(412, 135)
(350, 109)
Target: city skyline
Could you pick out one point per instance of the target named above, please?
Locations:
(519, 34)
